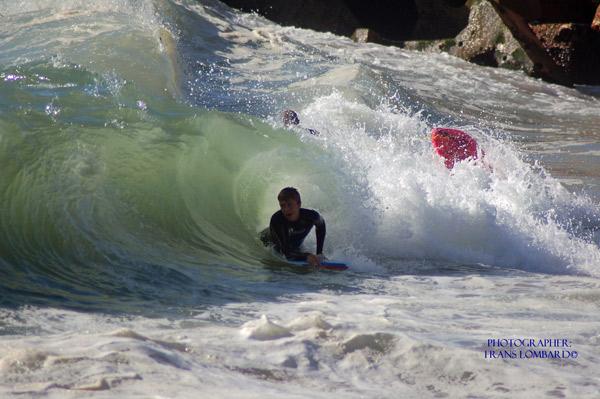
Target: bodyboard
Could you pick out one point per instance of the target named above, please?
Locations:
(325, 265)
(453, 145)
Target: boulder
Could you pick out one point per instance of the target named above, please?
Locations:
(574, 48)
(596, 20)
(487, 41)
(565, 52)
(439, 19)
(556, 40)
(551, 11)
(365, 35)
(392, 20)
(484, 41)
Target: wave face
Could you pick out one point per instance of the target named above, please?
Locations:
(142, 150)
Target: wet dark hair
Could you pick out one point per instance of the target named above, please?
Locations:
(290, 117)
(289, 193)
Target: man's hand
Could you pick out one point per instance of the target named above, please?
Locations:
(314, 260)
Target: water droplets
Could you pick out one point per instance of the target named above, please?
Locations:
(52, 109)
(11, 77)
(141, 105)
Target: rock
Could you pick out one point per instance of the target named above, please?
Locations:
(487, 41)
(574, 48)
(596, 20)
(551, 11)
(557, 36)
(364, 35)
(484, 41)
(543, 64)
(439, 19)
(557, 40)
(393, 20)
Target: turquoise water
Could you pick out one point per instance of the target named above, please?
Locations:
(141, 150)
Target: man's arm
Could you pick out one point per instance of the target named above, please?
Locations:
(277, 234)
(320, 231)
(315, 260)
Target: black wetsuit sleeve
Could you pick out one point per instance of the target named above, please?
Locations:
(320, 231)
(278, 236)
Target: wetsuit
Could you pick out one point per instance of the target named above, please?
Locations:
(287, 237)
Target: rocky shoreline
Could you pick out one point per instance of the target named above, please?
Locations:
(558, 41)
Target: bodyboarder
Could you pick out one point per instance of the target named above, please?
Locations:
(289, 227)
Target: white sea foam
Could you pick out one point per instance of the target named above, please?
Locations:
(498, 211)
(417, 335)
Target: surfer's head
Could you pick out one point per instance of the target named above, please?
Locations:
(289, 202)
(290, 117)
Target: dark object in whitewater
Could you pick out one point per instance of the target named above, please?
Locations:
(453, 145)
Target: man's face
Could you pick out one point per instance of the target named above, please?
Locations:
(290, 118)
(290, 209)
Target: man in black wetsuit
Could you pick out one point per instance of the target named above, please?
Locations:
(290, 226)
(290, 119)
